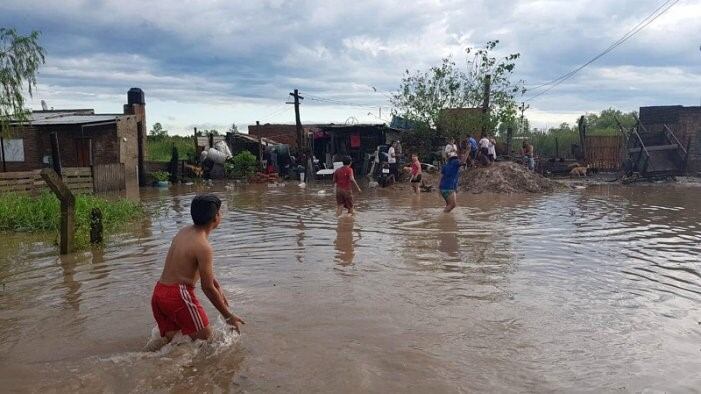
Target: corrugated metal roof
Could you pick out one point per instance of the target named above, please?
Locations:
(74, 119)
(68, 117)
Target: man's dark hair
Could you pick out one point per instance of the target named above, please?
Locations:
(204, 208)
(347, 160)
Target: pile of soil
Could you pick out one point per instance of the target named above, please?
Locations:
(500, 177)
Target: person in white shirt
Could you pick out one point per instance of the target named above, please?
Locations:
(392, 160)
(450, 150)
(483, 156)
(492, 149)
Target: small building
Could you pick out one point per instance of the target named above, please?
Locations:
(685, 123)
(359, 141)
(85, 139)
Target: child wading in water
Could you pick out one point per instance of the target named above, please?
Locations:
(449, 182)
(174, 304)
(415, 173)
(343, 179)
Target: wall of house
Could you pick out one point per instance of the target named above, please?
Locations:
(127, 137)
(282, 133)
(685, 122)
(32, 149)
(37, 145)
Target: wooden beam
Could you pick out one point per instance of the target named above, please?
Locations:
(67, 199)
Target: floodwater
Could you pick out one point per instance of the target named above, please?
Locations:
(587, 290)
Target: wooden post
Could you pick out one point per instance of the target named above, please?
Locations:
(509, 140)
(557, 148)
(485, 103)
(583, 136)
(211, 140)
(96, 226)
(197, 146)
(55, 156)
(260, 142)
(2, 153)
(298, 122)
(67, 199)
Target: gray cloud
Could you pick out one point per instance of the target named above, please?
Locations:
(253, 53)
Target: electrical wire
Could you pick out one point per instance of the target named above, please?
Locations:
(635, 30)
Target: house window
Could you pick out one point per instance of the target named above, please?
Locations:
(13, 150)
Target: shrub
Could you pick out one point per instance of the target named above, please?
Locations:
(161, 148)
(22, 213)
(242, 165)
(160, 176)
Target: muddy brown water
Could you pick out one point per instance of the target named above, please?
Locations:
(587, 290)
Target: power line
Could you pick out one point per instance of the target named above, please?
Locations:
(345, 103)
(635, 30)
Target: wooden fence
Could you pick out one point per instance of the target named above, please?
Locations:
(108, 177)
(78, 179)
(604, 152)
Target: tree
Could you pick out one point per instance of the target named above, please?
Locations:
(423, 94)
(158, 131)
(605, 122)
(233, 128)
(20, 58)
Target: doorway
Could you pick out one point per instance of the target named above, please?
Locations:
(83, 149)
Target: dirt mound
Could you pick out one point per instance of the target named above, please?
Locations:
(501, 177)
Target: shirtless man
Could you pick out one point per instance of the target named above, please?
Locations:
(174, 304)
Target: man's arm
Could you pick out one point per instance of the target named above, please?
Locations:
(212, 290)
(216, 284)
(352, 177)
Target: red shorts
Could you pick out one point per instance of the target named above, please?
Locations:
(175, 307)
(345, 198)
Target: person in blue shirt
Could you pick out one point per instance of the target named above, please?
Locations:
(449, 182)
(472, 143)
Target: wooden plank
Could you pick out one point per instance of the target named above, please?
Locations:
(654, 148)
(15, 175)
(76, 171)
(16, 181)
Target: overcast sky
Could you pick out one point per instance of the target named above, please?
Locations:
(212, 63)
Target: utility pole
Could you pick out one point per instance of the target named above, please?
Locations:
(485, 103)
(522, 108)
(300, 132)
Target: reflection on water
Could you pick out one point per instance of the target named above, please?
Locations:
(597, 289)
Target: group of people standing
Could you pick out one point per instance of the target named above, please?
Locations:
(471, 151)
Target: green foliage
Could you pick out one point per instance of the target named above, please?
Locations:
(604, 123)
(423, 94)
(233, 128)
(20, 57)
(161, 148)
(546, 142)
(22, 213)
(160, 176)
(242, 165)
(158, 131)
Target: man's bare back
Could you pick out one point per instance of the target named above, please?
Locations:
(181, 262)
(174, 302)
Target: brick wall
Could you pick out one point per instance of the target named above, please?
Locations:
(127, 133)
(685, 122)
(282, 133)
(32, 150)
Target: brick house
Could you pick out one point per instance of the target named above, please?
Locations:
(84, 139)
(685, 123)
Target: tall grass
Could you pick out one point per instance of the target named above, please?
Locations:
(22, 213)
(160, 148)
